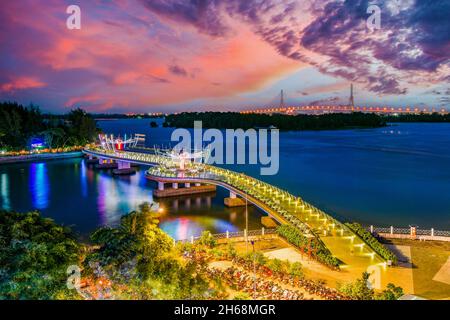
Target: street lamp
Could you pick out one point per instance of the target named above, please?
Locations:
(246, 224)
(254, 270)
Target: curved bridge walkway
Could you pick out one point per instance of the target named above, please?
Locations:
(279, 204)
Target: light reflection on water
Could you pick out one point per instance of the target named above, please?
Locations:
(76, 194)
(39, 185)
(185, 227)
(5, 191)
(389, 176)
(119, 194)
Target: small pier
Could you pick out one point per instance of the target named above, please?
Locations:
(175, 189)
(120, 168)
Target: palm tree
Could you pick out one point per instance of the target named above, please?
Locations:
(135, 236)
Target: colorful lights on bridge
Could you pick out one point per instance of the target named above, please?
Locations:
(334, 109)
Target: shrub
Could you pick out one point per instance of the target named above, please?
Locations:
(296, 270)
(298, 239)
(207, 239)
(276, 265)
(231, 250)
(373, 243)
(242, 296)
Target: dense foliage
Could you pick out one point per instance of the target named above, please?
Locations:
(360, 290)
(308, 244)
(18, 125)
(207, 239)
(234, 120)
(82, 127)
(373, 243)
(294, 269)
(141, 258)
(34, 256)
(435, 117)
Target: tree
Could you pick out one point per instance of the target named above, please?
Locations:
(358, 290)
(53, 137)
(34, 256)
(235, 120)
(391, 292)
(139, 256)
(82, 126)
(19, 124)
(207, 239)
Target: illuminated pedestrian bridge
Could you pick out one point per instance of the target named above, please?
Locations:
(279, 204)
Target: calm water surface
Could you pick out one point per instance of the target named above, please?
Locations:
(399, 175)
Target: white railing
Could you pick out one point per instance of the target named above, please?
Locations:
(236, 234)
(411, 232)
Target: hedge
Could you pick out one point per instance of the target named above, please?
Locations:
(373, 243)
(298, 239)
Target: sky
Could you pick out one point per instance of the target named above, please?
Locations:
(228, 55)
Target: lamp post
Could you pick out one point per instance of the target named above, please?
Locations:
(254, 270)
(246, 224)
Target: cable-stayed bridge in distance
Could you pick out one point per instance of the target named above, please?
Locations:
(279, 105)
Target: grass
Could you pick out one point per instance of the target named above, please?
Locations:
(427, 259)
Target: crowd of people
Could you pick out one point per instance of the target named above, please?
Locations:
(316, 288)
(255, 287)
(262, 282)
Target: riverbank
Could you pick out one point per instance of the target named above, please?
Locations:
(40, 156)
(283, 122)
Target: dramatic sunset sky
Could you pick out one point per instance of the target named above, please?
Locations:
(190, 55)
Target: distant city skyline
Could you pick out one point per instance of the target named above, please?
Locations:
(148, 56)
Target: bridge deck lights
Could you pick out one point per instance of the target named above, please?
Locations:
(371, 255)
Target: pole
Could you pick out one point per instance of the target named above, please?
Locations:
(254, 270)
(246, 224)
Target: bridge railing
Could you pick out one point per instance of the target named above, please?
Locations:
(411, 232)
(252, 187)
(231, 235)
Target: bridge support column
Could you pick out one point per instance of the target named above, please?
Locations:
(233, 201)
(197, 184)
(123, 165)
(104, 163)
(91, 159)
(160, 185)
(124, 168)
(174, 185)
(187, 185)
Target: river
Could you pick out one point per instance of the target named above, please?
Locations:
(398, 175)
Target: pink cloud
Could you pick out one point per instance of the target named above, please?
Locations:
(21, 83)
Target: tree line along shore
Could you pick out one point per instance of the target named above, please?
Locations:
(25, 128)
(283, 122)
